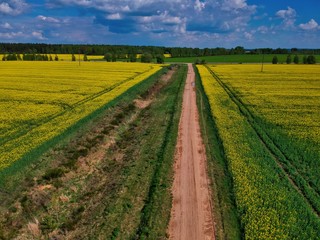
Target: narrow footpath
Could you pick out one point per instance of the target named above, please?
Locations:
(191, 214)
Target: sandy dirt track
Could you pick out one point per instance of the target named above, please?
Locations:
(191, 214)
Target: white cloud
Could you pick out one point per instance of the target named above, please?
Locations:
(6, 25)
(263, 29)
(48, 19)
(163, 22)
(288, 16)
(12, 7)
(5, 8)
(11, 35)
(115, 16)
(285, 14)
(164, 17)
(311, 25)
(248, 36)
(170, 19)
(198, 5)
(233, 5)
(38, 35)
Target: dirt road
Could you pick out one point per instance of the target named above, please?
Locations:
(191, 214)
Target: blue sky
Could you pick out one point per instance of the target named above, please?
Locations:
(184, 23)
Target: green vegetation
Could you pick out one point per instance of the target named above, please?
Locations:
(146, 58)
(275, 60)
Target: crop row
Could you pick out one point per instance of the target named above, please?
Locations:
(269, 204)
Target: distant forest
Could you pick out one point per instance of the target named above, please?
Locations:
(124, 50)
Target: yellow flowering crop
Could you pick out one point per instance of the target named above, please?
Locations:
(39, 100)
(269, 205)
(285, 95)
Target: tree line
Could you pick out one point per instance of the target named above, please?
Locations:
(311, 59)
(145, 58)
(36, 57)
(125, 51)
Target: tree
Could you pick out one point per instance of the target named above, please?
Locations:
(296, 59)
(160, 58)
(39, 57)
(311, 59)
(133, 57)
(289, 60)
(114, 57)
(275, 60)
(4, 58)
(239, 50)
(85, 58)
(108, 57)
(50, 58)
(11, 57)
(56, 58)
(146, 58)
(73, 58)
(305, 60)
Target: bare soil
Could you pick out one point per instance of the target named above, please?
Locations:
(191, 214)
(144, 103)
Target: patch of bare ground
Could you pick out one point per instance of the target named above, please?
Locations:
(143, 103)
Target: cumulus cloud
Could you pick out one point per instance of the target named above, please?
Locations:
(153, 21)
(263, 29)
(38, 35)
(6, 25)
(48, 19)
(288, 17)
(288, 13)
(199, 5)
(114, 16)
(311, 25)
(248, 36)
(12, 7)
(237, 6)
(165, 15)
(11, 35)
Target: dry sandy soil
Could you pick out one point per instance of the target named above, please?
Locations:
(191, 214)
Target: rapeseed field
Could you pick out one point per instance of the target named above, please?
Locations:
(268, 125)
(40, 100)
